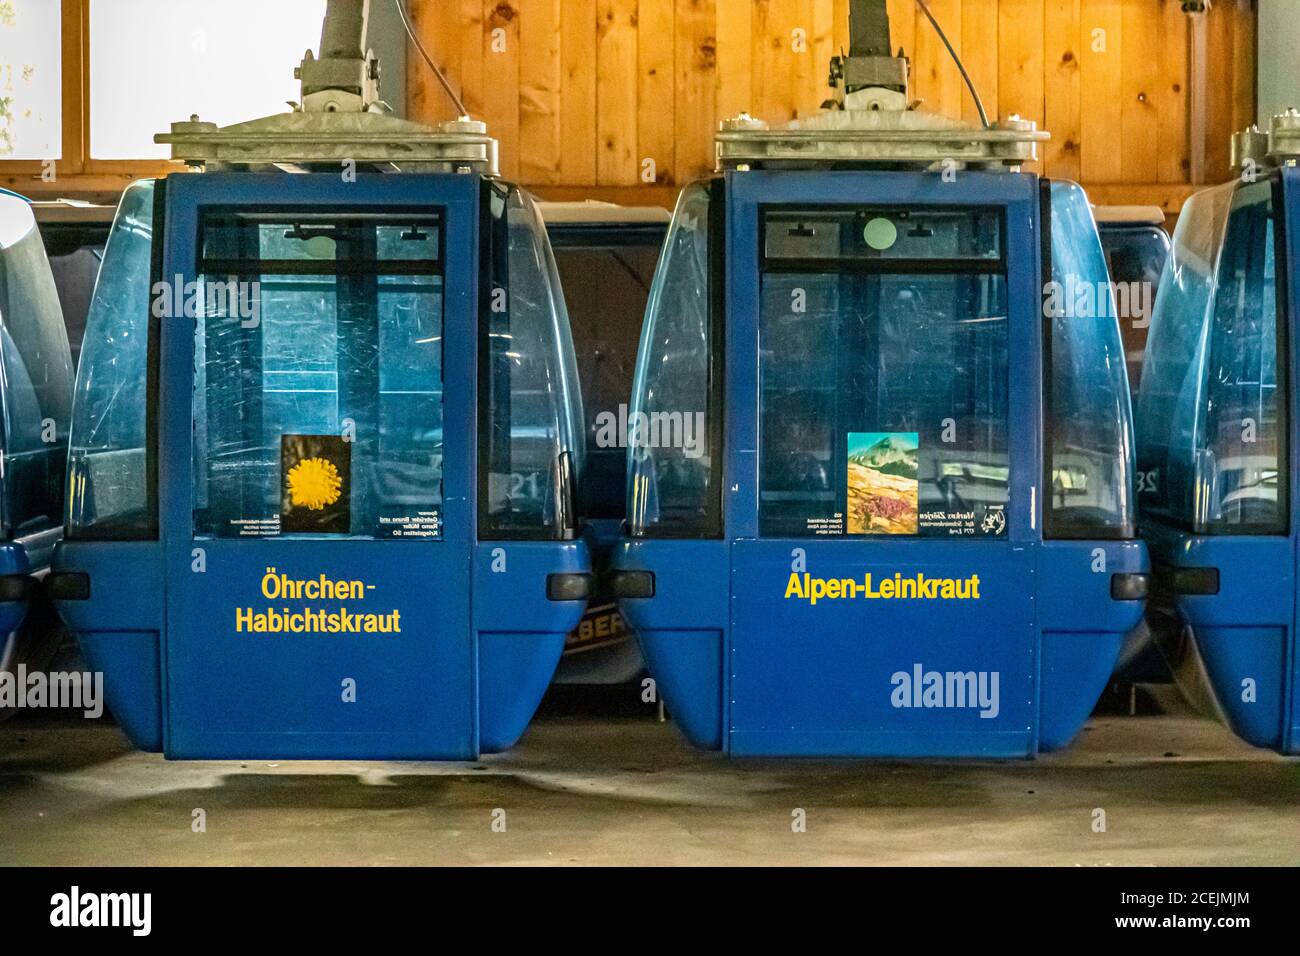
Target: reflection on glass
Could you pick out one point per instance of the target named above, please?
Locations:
(108, 484)
(320, 346)
(35, 376)
(671, 487)
(883, 404)
(1173, 370)
(1089, 418)
(1213, 428)
(533, 446)
(1238, 465)
(1136, 256)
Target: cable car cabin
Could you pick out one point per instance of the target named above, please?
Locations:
(327, 509)
(1216, 439)
(35, 396)
(877, 504)
(606, 256)
(324, 442)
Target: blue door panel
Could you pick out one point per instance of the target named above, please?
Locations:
(285, 691)
(836, 678)
(878, 676)
(407, 693)
(520, 631)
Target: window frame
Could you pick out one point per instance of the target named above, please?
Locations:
(75, 171)
(362, 211)
(885, 266)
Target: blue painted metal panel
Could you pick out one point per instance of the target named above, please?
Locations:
(1245, 634)
(855, 677)
(13, 561)
(681, 629)
(520, 632)
(1083, 629)
(118, 628)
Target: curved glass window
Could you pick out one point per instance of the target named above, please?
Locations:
(607, 268)
(531, 445)
(1136, 256)
(110, 481)
(36, 370)
(672, 462)
(1238, 465)
(1173, 370)
(883, 373)
(1089, 426)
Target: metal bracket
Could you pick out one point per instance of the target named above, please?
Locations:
(869, 66)
(870, 123)
(864, 138)
(1280, 146)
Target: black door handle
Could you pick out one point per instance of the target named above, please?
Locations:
(16, 587)
(632, 584)
(68, 585)
(568, 587)
(1130, 586)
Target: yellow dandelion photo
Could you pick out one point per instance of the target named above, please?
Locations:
(314, 483)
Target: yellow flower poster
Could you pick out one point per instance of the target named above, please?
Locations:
(315, 484)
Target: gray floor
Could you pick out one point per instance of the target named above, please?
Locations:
(1175, 790)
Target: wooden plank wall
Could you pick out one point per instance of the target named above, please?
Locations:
(620, 98)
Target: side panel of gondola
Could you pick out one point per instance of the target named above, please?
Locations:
(1218, 450)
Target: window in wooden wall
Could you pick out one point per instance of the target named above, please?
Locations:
(30, 80)
(85, 84)
(153, 62)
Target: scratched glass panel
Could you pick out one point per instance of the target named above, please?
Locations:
(884, 404)
(1090, 422)
(534, 445)
(670, 487)
(108, 483)
(330, 347)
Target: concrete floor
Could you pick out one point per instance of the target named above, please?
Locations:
(627, 790)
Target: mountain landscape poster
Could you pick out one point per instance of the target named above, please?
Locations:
(883, 482)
